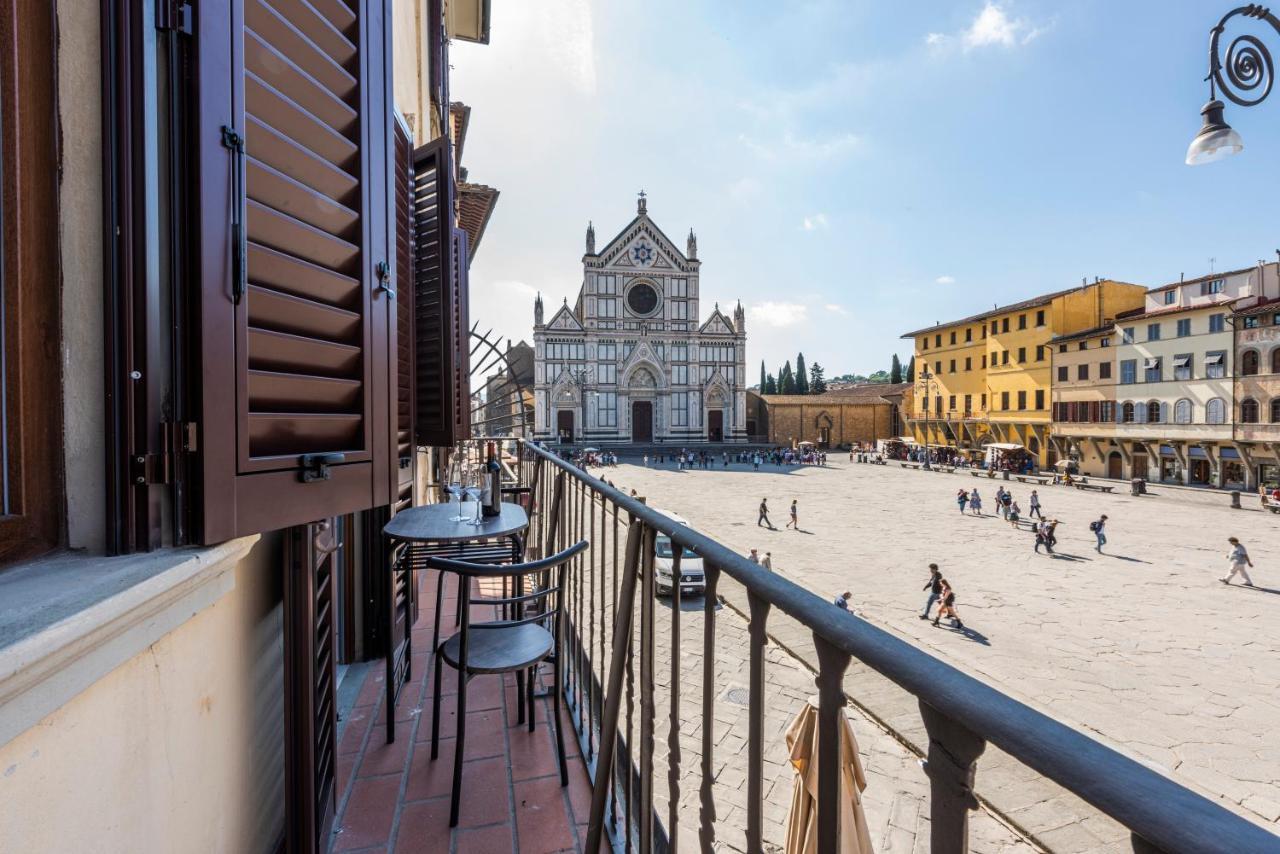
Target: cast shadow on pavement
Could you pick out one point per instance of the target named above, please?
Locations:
(1255, 587)
(1070, 557)
(1130, 559)
(968, 634)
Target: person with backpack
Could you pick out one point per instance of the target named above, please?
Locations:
(1099, 527)
(962, 498)
(934, 586)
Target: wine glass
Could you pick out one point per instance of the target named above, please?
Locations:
(455, 484)
(474, 480)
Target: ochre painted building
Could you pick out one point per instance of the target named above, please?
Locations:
(987, 378)
(863, 413)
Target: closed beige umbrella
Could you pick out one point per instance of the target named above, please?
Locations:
(802, 822)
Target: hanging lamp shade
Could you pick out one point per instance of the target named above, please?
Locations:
(1216, 138)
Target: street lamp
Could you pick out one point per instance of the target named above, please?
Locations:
(925, 377)
(1247, 69)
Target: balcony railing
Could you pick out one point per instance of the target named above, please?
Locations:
(610, 660)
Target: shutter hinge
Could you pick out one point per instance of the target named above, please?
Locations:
(383, 272)
(161, 468)
(173, 15)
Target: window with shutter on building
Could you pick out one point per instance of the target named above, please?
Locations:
(298, 417)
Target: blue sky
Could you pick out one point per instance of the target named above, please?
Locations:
(856, 170)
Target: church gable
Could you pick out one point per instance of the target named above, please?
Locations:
(655, 248)
(643, 354)
(565, 320)
(717, 324)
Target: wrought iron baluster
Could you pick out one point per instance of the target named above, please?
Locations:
(952, 765)
(673, 732)
(832, 664)
(613, 695)
(590, 644)
(614, 801)
(759, 610)
(707, 812)
(648, 604)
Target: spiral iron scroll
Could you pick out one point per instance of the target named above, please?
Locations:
(1246, 73)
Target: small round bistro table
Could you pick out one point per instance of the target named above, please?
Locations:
(431, 530)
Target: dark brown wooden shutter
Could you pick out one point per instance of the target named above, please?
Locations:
(310, 687)
(441, 334)
(406, 457)
(295, 294)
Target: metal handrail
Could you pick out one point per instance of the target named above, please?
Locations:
(961, 712)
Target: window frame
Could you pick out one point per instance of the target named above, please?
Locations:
(32, 505)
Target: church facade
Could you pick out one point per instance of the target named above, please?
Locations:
(631, 361)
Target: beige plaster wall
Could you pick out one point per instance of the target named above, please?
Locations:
(179, 749)
(80, 231)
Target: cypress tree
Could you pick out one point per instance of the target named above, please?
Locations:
(911, 370)
(895, 370)
(763, 376)
(787, 382)
(802, 376)
(770, 385)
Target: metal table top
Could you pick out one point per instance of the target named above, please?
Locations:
(431, 523)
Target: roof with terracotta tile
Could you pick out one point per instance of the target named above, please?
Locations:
(475, 206)
(1034, 302)
(866, 393)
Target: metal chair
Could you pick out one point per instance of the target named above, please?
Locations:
(515, 645)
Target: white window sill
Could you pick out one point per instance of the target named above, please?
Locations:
(70, 619)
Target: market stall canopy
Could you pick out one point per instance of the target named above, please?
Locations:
(1005, 446)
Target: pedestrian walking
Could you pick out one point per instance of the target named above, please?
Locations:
(795, 519)
(763, 518)
(1099, 528)
(1035, 506)
(975, 502)
(646, 460)
(947, 608)
(767, 561)
(1000, 500)
(1051, 535)
(1236, 561)
(1015, 513)
(934, 586)
(1042, 536)
(842, 601)
(962, 498)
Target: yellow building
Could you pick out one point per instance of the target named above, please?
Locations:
(987, 378)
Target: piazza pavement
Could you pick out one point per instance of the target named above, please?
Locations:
(1140, 646)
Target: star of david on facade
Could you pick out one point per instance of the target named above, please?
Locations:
(641, 253)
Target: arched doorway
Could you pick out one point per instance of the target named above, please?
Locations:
(1140, 465)
(715, 415)
(1115, 465)
(642, 386)
(824, 430)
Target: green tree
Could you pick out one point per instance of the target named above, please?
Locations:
(802, 376)
(895, 370)
(763, 376)
(787, 383)
(911, 370)
(817, 383)
(770, 385)
(878, 377)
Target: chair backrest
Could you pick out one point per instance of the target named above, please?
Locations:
(540, 596)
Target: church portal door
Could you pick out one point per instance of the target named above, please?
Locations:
(564, 425)
(1115, 466)
(642, 421)
(715, 425)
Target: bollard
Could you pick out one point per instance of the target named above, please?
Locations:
(1235, 499)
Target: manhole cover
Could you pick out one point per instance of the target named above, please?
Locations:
(738, 696)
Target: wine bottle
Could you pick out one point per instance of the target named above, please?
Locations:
(491, 503)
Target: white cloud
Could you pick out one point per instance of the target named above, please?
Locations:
(835, 309)
(792, 147)
(523, 289)
(816, 222)
(993, 26)
(779, 314)
(946, 280)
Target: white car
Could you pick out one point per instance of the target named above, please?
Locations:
(692, 579)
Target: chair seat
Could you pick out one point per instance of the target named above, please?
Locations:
(500, 647)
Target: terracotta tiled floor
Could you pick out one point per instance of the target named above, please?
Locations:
(393, 798)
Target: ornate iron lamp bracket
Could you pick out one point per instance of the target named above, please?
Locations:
(1245, 74)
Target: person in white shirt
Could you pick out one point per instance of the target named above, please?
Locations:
(767, 562)
(842, 601)
(1236, 561)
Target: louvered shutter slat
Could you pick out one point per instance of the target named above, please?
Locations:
(297, 354)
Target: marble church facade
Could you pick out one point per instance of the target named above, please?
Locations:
(631, 361)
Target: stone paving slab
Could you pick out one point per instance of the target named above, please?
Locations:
(1141, 646)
